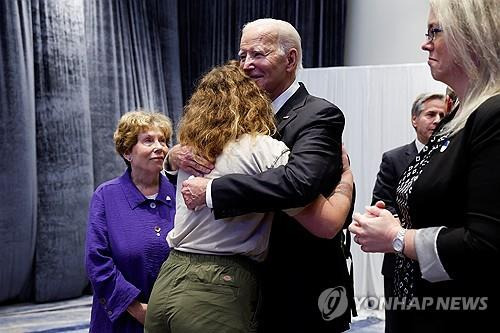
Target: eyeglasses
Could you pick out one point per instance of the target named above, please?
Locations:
(431, 33)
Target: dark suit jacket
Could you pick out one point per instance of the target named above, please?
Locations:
(299, 266)
(394, 162)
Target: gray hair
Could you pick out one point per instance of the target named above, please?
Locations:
(418, 104)
(288, 36)
(471, 30)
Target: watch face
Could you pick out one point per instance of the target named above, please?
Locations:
(397, 245)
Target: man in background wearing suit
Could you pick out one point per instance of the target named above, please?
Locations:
(300, 267)
(426, 113)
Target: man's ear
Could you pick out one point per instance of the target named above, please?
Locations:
(414, 121)
(292, 60)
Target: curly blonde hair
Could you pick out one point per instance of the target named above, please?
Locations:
(132, 123)
(225, 105)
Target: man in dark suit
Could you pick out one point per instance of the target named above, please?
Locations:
(307, 287)
(426, 112)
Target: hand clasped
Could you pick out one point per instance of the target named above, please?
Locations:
(194, 192)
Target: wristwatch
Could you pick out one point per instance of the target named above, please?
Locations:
(398, 243)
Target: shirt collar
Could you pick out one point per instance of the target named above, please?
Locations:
(281, 99)
(166, 193)
(135, 197)
(419, 145)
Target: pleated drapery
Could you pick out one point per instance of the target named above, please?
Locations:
(210, 31)
(128, 64)
(18, 193)
(68, 70)
(63, 144)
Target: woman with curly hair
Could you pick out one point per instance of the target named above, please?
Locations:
(210, 281)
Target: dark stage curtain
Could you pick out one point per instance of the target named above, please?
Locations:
(132, 63)
(210, 31)
(68, 70)
(63, 144)
(18, 150)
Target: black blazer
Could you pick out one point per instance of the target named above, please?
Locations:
(394, 162)
(460, 189)
(299, 266)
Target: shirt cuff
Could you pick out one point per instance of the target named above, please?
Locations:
(166, 166)
(428, 259)
(208, 194)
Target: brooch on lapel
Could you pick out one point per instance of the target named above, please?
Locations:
(444, 145)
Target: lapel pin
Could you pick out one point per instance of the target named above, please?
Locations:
(286, 117)
(444, 146)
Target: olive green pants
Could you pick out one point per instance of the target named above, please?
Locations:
(204, 293)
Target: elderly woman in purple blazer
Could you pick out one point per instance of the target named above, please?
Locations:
(129, 218)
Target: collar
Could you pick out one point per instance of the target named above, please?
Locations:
(281, 99)
(419, 145)
(136, 198)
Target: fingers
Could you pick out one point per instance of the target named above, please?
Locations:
(358, 218)
(203, 162)
(345, 155)
(380, 204)
(187, 195)
(355, 228)
(190, 198)
(190, 162)
(191, 170)
(194, 192)
(356, 239)
(373, 210)
(346, 164)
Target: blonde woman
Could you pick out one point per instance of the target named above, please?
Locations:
(210, 281)
(447, 236)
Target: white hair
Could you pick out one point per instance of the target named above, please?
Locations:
(288, 37)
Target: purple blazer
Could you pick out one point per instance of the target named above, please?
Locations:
(125, 249)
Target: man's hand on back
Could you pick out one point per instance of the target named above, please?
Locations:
(182, 157)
